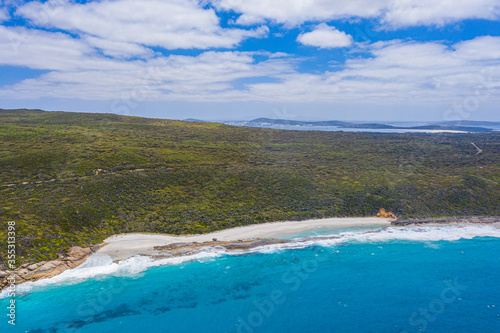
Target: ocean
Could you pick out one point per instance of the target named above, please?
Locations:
(493, 126)
(369, 279)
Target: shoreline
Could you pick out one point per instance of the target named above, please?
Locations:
(448, 220)
(124, 246)
(46, 269)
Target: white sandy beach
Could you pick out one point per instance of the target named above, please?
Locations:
(128, 245)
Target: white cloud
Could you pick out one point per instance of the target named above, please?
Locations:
(325, 37)
(4, 14)
(173, 24)
(119, 49)
(431, 12)
(78, 71)
(480, 48)
(401, 72)
(392, 13)
(295, 12)
(42, 50)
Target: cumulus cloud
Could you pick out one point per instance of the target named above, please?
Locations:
(479, 48)
(325, 37)
(396, 72)
(430, 12)
(78, 71)
(39, 49)
(295, 12)
(402, 72)
(392, 13)
(174, 24)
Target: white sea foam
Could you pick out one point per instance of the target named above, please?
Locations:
(102, 265)
(430, 233)
(410, 233)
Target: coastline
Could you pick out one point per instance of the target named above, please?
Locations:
(157, 246)
(448, 220)
(124, 246)
(46, 269)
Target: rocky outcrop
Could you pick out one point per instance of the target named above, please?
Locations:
(46, 269)
(383, 214)
(182, 248)
(449, 220)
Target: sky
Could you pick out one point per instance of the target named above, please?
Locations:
(402, 60)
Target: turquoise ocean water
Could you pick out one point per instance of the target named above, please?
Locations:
(407, 279)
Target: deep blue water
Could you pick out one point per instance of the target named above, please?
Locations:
(374, 285)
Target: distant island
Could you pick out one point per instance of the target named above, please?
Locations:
(450, 126)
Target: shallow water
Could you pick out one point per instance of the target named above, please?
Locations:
(411, 279)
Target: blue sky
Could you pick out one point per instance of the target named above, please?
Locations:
(243, 59)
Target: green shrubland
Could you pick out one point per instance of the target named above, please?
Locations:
(74, 178)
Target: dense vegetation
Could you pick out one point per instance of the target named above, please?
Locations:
(74, 179)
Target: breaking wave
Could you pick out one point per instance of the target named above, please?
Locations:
(102, 265)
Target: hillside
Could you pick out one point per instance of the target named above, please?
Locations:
(75, 178)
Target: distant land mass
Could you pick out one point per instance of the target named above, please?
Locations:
(195, 120)
(462, 126)
(488, 124)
